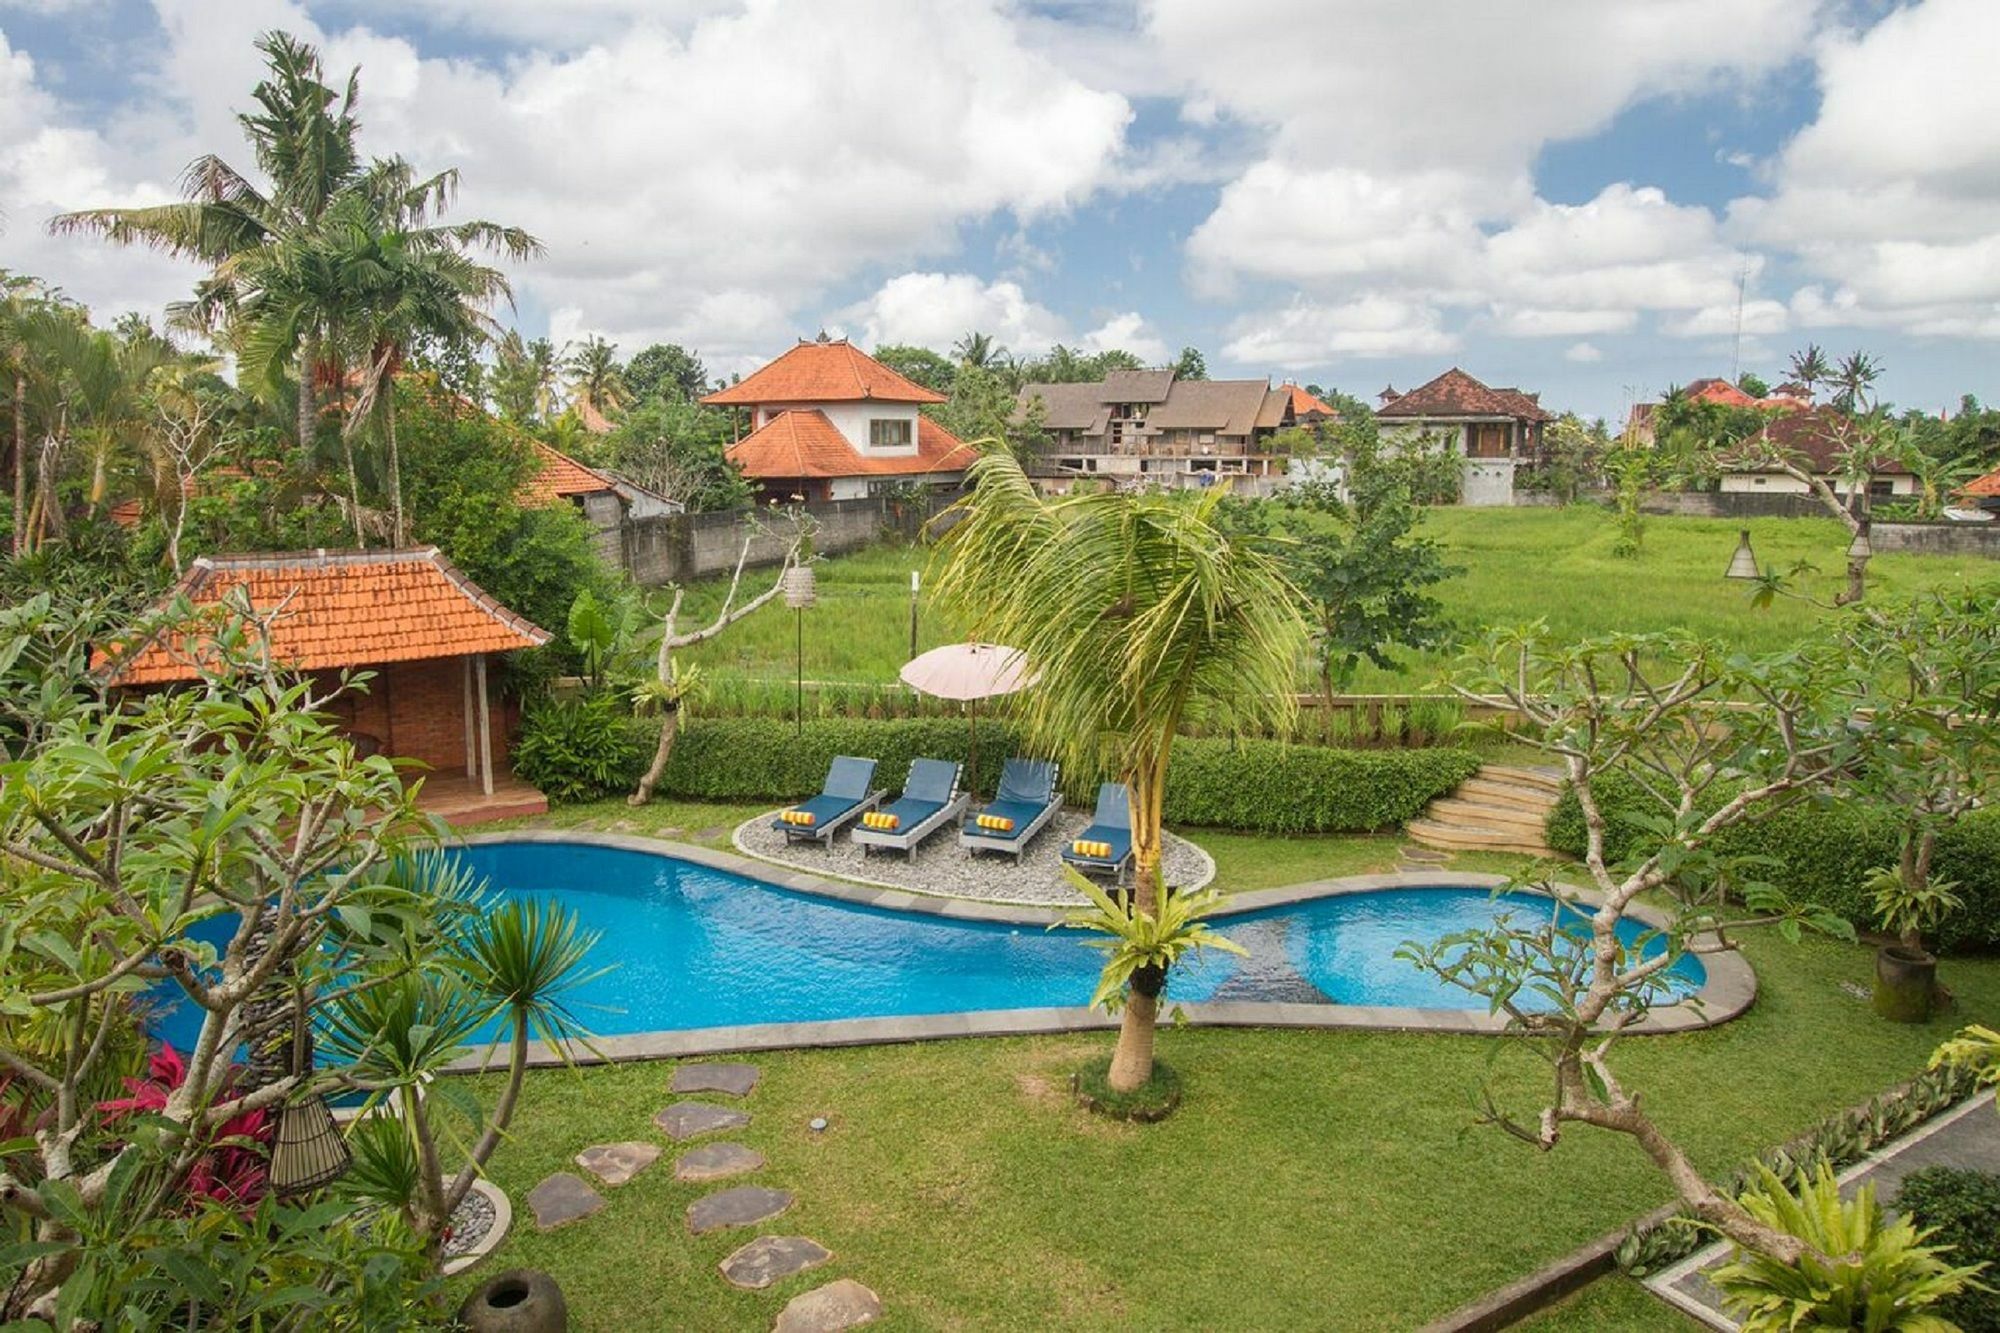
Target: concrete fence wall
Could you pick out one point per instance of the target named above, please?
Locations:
(673, 548)
(1937, 538)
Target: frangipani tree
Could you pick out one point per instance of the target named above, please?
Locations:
(1134, 609)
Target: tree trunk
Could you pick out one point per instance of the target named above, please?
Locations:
(1132, 1061)
(670, 726)
(1857, 583)
(308, 413)
(20, 462)
(353, 489)
(400, 533)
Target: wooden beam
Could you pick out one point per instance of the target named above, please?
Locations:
(485, 729)
(471, 741)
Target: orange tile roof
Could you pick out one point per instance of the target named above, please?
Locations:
(803, 443)
(1304, 404)
(333, 609)
(1986, 485)
(557, 478)
(823, 372)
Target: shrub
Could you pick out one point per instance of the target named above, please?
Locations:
(580, 749)
(1964, 1209)
(1824, 852)
(1257, 785)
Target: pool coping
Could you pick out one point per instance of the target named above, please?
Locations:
(1730, 988)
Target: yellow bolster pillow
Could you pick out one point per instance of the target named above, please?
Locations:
(881, 820)
(1100, 850)
(803, 818)
(997, 823)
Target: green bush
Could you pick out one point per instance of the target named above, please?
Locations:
(583, 748)
(1824, 851)
(1248, 784)
(1964, 1207)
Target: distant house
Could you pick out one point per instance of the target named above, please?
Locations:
(1640, 424)
(1307, 410)
(1495, 430)
(830, 422)
(1814, 437)
(424, 630)
(1152, 426)
(605, 499)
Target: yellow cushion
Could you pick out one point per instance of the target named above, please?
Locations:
(803, 818)
(1083, 847)
(997, 823)
(881, 820)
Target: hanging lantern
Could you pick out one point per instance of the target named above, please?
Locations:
(801, 587)
(1860, 548)
(309, 1150)
(1743, 565)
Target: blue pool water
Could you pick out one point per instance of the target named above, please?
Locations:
(691, 947)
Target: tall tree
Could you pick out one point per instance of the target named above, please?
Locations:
(596, 380)
(978, 349)
(920, 365)
(1191, 364)
(1855, 378)
(1132, 609)
(666, 370)
(1809, 369)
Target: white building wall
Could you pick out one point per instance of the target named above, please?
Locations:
(1489, 482)
(851, 420)
(1779, 483)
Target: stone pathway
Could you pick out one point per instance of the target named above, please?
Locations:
(564, 1198)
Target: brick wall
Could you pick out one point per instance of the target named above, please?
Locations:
(416, 710)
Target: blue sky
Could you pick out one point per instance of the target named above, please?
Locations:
(1556, 194)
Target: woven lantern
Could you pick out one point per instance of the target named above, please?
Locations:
(801, 587)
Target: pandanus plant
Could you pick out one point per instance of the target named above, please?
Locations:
(512, 967)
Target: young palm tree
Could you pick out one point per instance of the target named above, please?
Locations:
(1856, 375)
(1810, 369)
(978, 349)
(595, 379)
(1133, 609)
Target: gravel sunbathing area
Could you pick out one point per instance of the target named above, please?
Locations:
(942, 866)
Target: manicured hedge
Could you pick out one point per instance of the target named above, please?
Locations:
(1250, 784)
(1824, 851)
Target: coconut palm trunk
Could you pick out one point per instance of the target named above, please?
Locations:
(20, 462)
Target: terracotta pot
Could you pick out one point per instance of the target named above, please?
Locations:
(521, 1300)
(1905, 983)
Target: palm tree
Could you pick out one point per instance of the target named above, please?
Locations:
(19, 295)
(303, 139)
(977, 349)
(596, 381)
(1856, 374)
(1134, 609)
(1809, 369)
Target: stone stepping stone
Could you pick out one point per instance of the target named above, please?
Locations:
(741, 1207)
(769, 1259)
(687, 1120)
(616, 1163)
(733, 1080)
(716, 1161)
(562, 1199)
(837, 1305)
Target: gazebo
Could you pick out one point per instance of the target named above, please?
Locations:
(424, 631)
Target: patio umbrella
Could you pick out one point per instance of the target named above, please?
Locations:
(969, 672)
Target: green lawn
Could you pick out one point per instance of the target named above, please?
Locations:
(1519, 564)
(1612, 1303)
(1329, 1179)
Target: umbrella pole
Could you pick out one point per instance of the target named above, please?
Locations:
(972, 760)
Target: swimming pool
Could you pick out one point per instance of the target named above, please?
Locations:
(691, 946)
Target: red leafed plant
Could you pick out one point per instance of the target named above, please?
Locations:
(233, 1172)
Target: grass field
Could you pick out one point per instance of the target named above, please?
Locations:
(1519, 565)
(1311, 1178)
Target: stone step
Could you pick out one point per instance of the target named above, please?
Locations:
(744, 1206)
(1460, 838)
(769, 1259)
(1494, 792)
(1547, 779)
(1479, 814)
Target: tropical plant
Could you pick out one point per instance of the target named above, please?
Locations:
(1856, 1269)
(1141, 947)
(665, 370)
(1810, 369)
(595, 379)
(978, 350)
(1855, 376)
(1134, 609)
(1907, 910)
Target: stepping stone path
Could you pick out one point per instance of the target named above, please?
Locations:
(716, 1161)
(769, 1259)
(741, 1207)
(562, 1199)
(837, 1305)
(616, 1163)
(687, 1120)
(733, 1080)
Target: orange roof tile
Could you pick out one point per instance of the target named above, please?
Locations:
(1986, 485)
(823, 372)
(803, 443)
(333, 609)
(557, 478)
(1305, 404)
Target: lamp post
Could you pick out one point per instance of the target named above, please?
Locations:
(801, 592)
(1743, 564)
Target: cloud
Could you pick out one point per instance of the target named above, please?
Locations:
(935, 310)
(1583, 354)
(1890, 197)
(1304, 334)
(1761, 316)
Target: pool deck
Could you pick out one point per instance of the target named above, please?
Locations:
(1730, 988)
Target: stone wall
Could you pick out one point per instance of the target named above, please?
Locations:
(1981, 539)
(1731, 504)
(674, 548)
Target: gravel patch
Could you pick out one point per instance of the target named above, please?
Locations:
(942, 867)
(470, 1222)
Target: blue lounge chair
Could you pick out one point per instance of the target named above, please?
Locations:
(845, 794)
(1026, 802)
(1106, 846)
(930, 800)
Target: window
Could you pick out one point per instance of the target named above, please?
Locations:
(1881, 488)
(889, 433)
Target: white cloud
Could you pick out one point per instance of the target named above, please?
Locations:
(935, 310)
(1759, 316)
(1305, 334)
(1891, 195)
(1583, 354)
(1129, 332)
